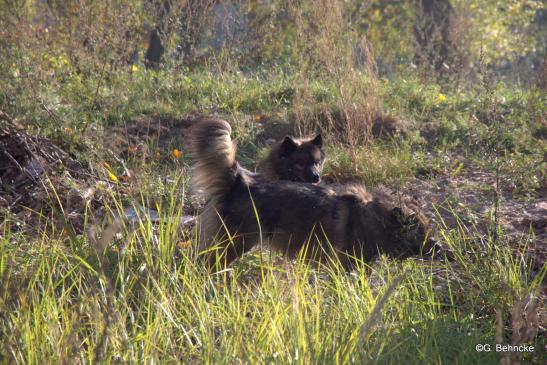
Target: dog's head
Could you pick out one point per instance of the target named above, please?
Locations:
(411, 231)
(396, 228)
(301, 160)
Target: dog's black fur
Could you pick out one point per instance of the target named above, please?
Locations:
(244, 208)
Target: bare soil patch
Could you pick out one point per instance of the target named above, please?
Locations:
(470, 197)
(145, 135)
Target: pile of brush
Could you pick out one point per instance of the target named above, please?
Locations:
(39, 182)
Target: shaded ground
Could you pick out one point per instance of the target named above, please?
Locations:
(470, 197)
(41, 182)
(145, 135)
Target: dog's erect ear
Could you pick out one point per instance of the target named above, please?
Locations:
(288, 146)
(318, 141)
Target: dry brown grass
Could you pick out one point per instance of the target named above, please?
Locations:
(524, 327)
(333, 50)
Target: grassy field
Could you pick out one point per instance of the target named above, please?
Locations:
(96, 266)
(137, 295)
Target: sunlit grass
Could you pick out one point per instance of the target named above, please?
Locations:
(374, 164)
(143, 298)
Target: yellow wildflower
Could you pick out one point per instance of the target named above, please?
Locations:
(441, 97)
(112, 176)
(110, 173)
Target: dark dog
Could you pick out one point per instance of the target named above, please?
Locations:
(293, 159)
(244, 208)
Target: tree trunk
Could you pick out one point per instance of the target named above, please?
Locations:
(156, 49)
(432, 31)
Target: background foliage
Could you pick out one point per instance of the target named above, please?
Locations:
(454, 117)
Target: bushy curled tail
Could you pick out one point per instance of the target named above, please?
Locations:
(213, 153)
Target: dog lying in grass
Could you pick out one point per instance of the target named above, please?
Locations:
(297, 218)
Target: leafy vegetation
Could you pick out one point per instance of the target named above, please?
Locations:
(122, 284)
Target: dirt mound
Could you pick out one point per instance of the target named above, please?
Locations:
(41, 182)
(470, 197)
(145, 135)
(385, 125)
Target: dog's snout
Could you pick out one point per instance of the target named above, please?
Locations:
(315, 178)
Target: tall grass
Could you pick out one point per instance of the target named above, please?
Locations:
(139, 296)
(334, 51)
